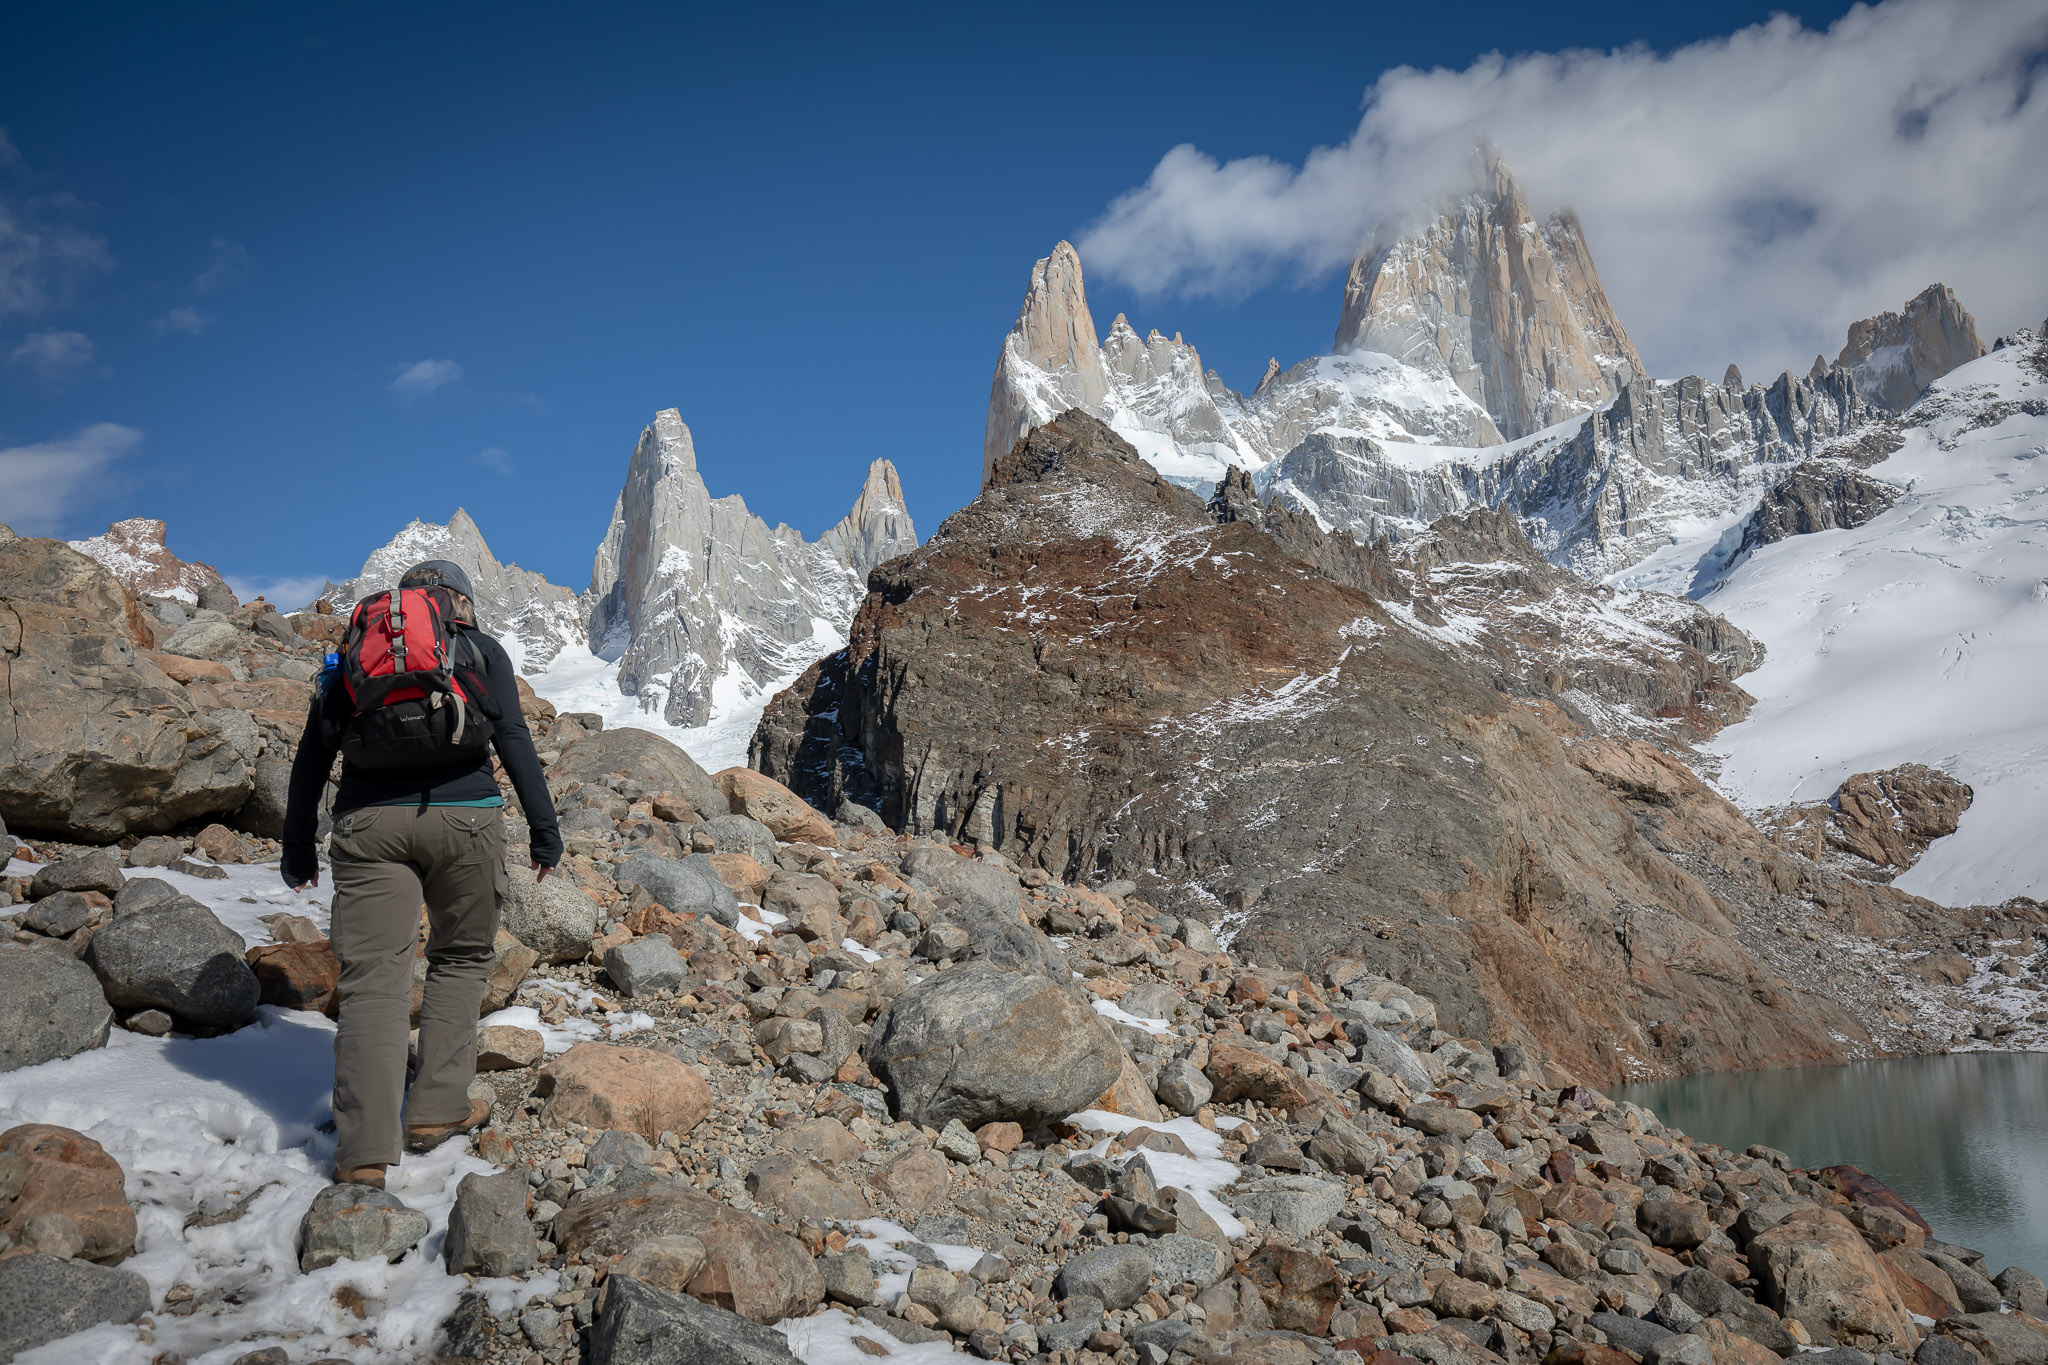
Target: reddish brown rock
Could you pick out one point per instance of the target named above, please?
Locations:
(916, 1180)
(601, 1085)
(180, 669)
(507, 1047)
(1300, 1289)
(1241, 1074)
(742, 876)
(786, 814)
(298, 976)
(67, 1174)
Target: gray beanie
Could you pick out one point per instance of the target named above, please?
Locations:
(438, 573)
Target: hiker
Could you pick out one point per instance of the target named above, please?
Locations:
(414, 703)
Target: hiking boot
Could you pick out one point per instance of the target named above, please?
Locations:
(426, 1137)
(373, 1176)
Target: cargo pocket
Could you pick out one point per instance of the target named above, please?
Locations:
(473, 834)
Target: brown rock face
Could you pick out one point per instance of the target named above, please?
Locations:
(99, 742)
(1512, 310)
(1886, 819)
(1895, 356)
(298, 976)
(605, 1086)
(68, 1173)
(1101, 679)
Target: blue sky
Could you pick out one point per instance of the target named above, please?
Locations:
(807, 229)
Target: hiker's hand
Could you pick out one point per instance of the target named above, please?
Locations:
(540, 873)
(305, 885)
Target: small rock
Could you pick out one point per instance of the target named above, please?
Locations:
(202, 640)
(602, 1085)
(1298, 1204)
(683, 885)
(780, 1036)
(99, 870)
(508, 1047)
(488, 1231)
(60, 915)
(357, 1223)
(849, 1279)
(1182, 1087)
(785, 813)
(43, 1298)
(750, 1267)
(552, 916)
(149, 1023)
(222, 844)
(669, 1262)
(155, 851)
(297, 976)
(1115, 1276)
(1678, 1224)
(1180, 1259)
(645, 965)
(958, 1143)
(804, 1188)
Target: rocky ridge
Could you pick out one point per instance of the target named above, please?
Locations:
(1281, 1167)
(1093, 673)
(135, 553)
(1478, 364)
(690, 592)
(533, 618)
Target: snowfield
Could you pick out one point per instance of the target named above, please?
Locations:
(1920, 637)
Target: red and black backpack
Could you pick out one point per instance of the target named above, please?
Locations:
(417, 685)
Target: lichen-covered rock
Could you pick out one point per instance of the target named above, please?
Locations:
(981, 1044)
(550, 915)
(175, 955)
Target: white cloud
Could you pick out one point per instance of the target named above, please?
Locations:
(52, 357)
(499, 462)
(227, 264)
(1746, 197)
(190, 321)
(288, 593)
(44, 252)
(42, 484)
(422, 377)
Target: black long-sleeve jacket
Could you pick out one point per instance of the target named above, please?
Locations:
(328, 717)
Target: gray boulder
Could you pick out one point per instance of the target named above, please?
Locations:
(99, 870)
(202, 640)
(173, 955)
(655, 763)
(1180, 1259)
(1116, 1276)
(1001, 938)
(43, 1298)
(645, 965)
(357, 1223)
(50, 1007)
(552, 916)
(682, 885)
(982, 1044)
(143, 892)
(743, 834)
(1182, 1086)
(639, 1324)
(949, 874)
(488, 1231)
(1298, 1204)
(59, 916)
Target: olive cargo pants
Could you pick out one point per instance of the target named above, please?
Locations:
(386, 861)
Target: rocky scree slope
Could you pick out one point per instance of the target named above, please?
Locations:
(1085, 670)
(715, 1135)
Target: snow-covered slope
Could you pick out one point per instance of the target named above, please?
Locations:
(1920, 636)
(535, 619)
(1496, 323)
(706, 609)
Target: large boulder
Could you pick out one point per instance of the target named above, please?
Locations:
(43, 1298)
(750, 1268)
(682, 884)
(788, 815)
(1814, 1266)
(174, 955)
(642, 1324)
(100, 742)
(50, 1007)
(983, 1044)
(550, 915)
(646, 758)
(98, 870)
(65, 1172)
